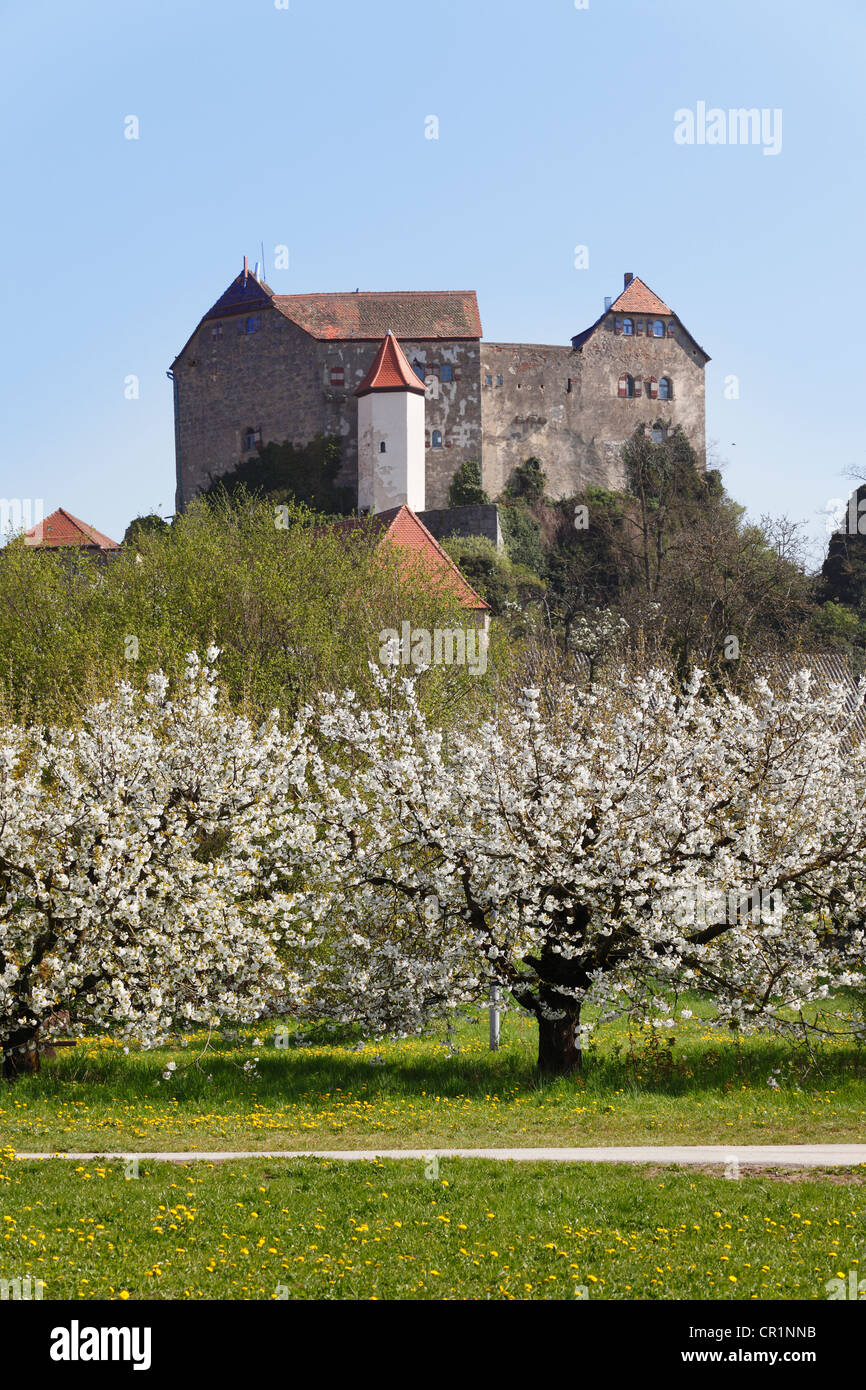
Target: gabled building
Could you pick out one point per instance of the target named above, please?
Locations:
(575, 407)
(63, 531)
(262, 366)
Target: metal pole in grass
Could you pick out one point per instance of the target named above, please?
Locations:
(494, 1018)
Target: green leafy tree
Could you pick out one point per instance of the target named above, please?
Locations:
(283, 473)
(843, 574)
(521, 534)
(144, 526)
(493, 574)
(466, 489)
(527, 482)
(296, 606)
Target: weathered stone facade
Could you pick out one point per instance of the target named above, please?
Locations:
(263, 367)
(475, 519)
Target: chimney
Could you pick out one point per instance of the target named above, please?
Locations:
(627, 279)
(607, 302)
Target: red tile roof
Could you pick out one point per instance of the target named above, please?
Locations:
(412, 314)
(61, 528)
(390, 371)
(638, 298)
(404, 529)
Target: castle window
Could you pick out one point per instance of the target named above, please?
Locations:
(251, 439)
(640, 325)
(338, 376)
(626, 386)
(652, 388)
(252, 324)
(488, 381)
(499, 381)
(617, 325)
(446, 372)
(670, 328)
(658, 328)
(627, 327)
(436, 439)
(657, 434)
(383, 448)
(666, 389)
(216, 331)
(420, 370)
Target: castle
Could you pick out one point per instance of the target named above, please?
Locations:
(262, 366)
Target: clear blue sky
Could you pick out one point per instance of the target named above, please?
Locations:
(306, 127)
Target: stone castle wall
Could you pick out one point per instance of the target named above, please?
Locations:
(503, 403)
(563, 405)
(288, 385)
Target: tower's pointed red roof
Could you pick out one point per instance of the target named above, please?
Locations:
(391, 371)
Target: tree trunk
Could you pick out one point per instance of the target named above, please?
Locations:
(16, 1062)
(558, 1046)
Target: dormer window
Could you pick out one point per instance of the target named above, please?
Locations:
(627, 327)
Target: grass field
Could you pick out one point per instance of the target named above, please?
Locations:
(709, 1087)
(316, 1229)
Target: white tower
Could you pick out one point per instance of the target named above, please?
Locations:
(390, 433)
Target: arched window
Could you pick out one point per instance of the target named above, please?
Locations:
(627, 327)
(658, 328)
(383, 448)
(626, 386)
(251, 324)
(666, 389)
(436, 439)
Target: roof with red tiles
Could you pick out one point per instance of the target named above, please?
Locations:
(638, 298)
(61, 528)
(403, 528)
(362, 316)
(390, 371)
(413, 314)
